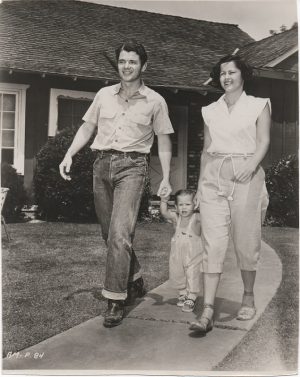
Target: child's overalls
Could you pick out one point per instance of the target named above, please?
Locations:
(185, 259)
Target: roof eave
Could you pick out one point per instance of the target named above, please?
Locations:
(47, 72)
(282, 57)
(271, 73)
(43, 73)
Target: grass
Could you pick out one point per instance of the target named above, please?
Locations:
(52, 276)
(276, 332)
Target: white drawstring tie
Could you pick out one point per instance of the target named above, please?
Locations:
(220, 192)
(224, 157)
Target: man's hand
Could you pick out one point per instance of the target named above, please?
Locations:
(165, 188)
(165, 199)
(65, 166)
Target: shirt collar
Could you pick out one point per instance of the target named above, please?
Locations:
(222, 102)
(143, 90)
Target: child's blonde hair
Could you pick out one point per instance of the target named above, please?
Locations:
(184, 192)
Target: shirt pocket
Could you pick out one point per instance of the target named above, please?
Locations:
(140, 119)
(107, 116)
(139, 126)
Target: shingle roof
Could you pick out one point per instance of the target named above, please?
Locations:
(260, 53)
(72, 37)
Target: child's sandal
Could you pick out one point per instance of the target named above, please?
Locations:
(181, 300)
(189, 305)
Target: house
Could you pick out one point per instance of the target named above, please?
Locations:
(275, 60)
(55, 55)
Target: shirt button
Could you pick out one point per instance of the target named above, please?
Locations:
(123, 113)
(126, 100)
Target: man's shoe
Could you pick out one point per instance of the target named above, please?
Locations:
(135, 290)
(114, 313)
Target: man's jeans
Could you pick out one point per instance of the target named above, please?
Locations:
(118, 188)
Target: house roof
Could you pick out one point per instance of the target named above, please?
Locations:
(273, 51)
(78, 38)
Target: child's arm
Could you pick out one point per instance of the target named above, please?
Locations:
(165, 212)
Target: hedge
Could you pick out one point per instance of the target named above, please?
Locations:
(282, 180)
(72, 201)
(16, 196)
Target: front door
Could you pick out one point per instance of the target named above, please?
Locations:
(179, 119)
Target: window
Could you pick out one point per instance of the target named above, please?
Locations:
(67, 108)
(71, 111)
(12, 124)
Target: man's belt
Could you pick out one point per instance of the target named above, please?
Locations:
(114, 152)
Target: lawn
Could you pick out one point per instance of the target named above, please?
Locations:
(52, 276)
(276, 331)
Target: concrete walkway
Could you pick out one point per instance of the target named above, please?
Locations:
(154, 337)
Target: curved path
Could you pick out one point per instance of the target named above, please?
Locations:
(154, 337)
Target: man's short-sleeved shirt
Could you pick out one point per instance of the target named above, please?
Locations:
(128, 125)
(235, 131)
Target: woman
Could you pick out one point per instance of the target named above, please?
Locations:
(231, 191)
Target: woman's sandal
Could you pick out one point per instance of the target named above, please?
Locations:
(246, 313)
(206, 322)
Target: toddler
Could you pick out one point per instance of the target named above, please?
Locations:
(186, 248)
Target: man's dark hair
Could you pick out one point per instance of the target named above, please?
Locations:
(132, 45)
(242, 65)
(183, 193)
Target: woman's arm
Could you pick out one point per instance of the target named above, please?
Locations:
(207, 142)
(263, 126)
(197, 224)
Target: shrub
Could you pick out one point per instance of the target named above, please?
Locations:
(57, 199)
(283, 187)
(60, 200)
(16, 196)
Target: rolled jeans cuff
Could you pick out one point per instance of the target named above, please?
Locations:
(114, 295)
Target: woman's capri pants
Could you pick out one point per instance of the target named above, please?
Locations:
(227, 206)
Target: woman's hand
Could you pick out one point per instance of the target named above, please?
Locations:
(197, 199)
(244, 173)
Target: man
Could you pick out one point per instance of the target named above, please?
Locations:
(127, 115)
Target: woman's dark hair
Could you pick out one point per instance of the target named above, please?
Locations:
(241, 64)
(132, 45)
(183, 193)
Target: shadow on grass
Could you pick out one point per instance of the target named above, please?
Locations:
(95, 292)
